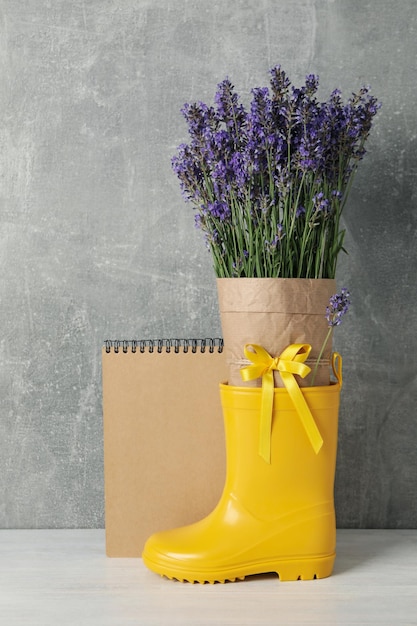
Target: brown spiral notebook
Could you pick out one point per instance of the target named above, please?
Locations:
(164, 453)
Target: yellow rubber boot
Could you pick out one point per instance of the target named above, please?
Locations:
(272, 517)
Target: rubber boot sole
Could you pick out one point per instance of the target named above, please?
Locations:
(286, 570)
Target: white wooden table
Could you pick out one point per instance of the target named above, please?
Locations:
(62, 577)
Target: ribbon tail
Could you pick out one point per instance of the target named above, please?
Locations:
(265, 426)
(303, 411)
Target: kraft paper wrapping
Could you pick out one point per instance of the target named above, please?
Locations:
(275, 312)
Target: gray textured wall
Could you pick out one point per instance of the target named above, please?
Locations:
(96, 242)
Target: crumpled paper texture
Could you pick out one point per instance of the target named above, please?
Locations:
(275, 312)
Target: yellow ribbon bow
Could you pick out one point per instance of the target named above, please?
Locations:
(290, 362)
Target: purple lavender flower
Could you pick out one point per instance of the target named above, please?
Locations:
(310, 153)
(238, 265)
(189, 172)
(276, 241)
(289, 155)
(229, 110)
(240, 173)
(279, 83)
(260, 118)
(312, 84)
(200, 119)
(321, 203)
(198, 221)
(219, 210)
(339, 305)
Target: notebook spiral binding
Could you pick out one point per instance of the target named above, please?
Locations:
(164, 345)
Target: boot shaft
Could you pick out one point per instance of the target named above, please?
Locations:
(297, 478)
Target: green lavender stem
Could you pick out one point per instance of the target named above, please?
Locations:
(329, 333)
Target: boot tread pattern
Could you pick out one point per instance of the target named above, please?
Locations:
(222, 581)
(291, 570)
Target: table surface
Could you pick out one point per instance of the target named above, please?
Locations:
(62, 577)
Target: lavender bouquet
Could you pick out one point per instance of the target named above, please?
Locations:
(269, 184)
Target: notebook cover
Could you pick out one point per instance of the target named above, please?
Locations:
(164, 451)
